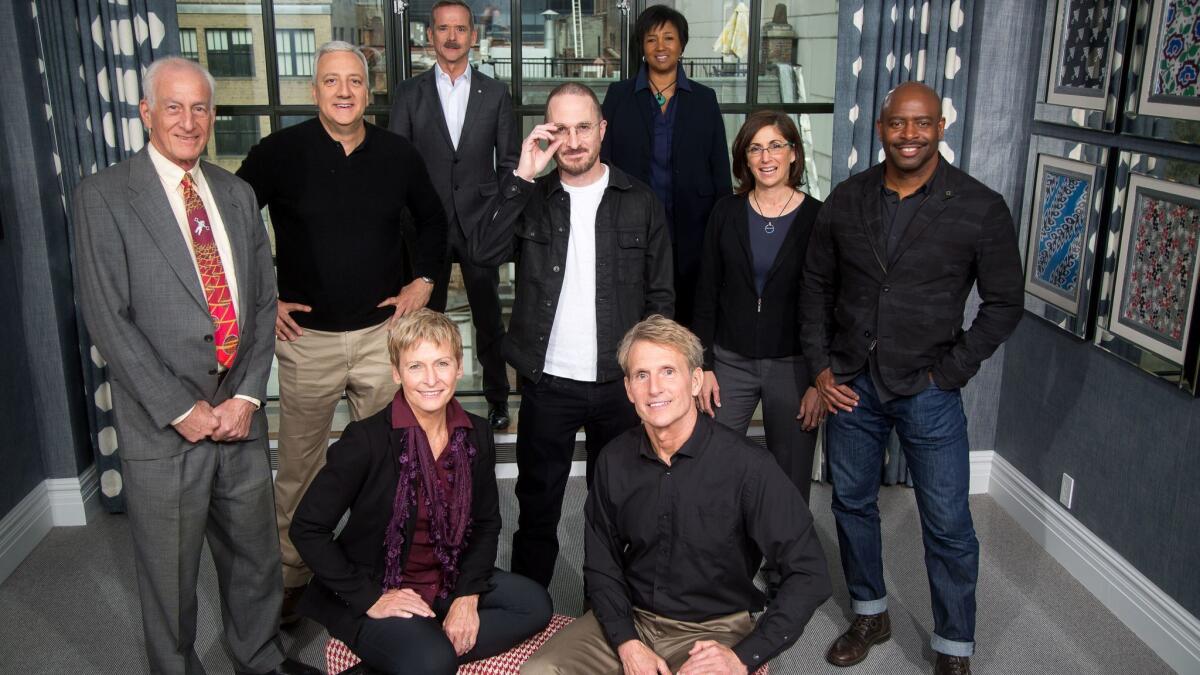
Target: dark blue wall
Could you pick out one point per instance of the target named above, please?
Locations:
(1130, 441)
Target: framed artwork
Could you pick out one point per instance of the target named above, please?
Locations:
(1152, 268)
(1164, 76)
(1061, 227)
(1081, 63)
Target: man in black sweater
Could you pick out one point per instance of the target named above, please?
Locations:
(894, 254)
(337, 188)
(682, 511)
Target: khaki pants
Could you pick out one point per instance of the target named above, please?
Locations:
(581, 649)
(314, 371)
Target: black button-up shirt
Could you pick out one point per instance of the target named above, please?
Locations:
(684, 541)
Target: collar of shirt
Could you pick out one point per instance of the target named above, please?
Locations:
(642, 81)
(403, 417)
(930, 186)
(170, 173)
(444, 78)
(334, 144)
(693, 447)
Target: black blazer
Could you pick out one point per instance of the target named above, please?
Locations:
(699, 157)
(360, 475)
(465, 178)
(911, 306)
(728, 309)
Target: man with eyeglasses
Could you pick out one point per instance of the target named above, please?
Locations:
(593, 258)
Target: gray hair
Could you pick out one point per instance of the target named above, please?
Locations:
(339, 46)
(150, 79)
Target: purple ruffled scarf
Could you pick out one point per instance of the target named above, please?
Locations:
(449, 509)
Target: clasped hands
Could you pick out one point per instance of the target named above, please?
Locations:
(461, 624)
(229, 421)
(704, 658)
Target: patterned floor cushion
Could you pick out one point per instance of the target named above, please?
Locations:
(338, 656)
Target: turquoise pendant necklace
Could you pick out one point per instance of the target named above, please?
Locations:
(658, 93)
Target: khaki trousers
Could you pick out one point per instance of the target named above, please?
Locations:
(581, 648)
(314, 371)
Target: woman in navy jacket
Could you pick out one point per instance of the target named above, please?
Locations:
(666, 131)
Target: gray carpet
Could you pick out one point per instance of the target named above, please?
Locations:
(72, 606)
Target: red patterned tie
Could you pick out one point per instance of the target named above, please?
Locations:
(212, 275)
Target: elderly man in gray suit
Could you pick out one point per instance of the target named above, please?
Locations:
(178, 292)
(462, 123)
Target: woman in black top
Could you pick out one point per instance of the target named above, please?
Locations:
(748, 295)
(410, 582)
(666, 130)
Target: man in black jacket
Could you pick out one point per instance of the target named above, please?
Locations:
(894, 254)
(593, 258)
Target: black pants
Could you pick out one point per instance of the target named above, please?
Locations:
(514, 610)
(483, 294)
(552, 410)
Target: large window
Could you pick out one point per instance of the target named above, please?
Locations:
(296, 48)
(230, 52)
(755, 54)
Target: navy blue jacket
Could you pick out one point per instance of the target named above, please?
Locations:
(699, 157)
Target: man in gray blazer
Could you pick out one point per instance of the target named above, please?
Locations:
(178, 292)
(462, 123)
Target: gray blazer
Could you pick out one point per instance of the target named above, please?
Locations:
(465, 179)
(145, 308)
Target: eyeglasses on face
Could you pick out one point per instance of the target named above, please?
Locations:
(583, 130)
(774, 148)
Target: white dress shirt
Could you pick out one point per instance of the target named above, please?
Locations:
(572, 350)
(453, 96)
(171, 176)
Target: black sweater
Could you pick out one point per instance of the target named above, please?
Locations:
(339, 244)
(729, 311)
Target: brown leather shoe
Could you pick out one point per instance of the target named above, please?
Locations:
(951, 665)
(291, 597)
(852, 646)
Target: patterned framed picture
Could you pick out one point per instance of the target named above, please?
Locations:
(1065, 184)
(1081, 63)
(1164, 72)
(1152, 268)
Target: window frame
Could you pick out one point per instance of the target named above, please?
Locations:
(230, 57)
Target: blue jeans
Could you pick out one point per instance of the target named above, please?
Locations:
(933, 433)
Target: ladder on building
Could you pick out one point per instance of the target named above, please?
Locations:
(577, 28)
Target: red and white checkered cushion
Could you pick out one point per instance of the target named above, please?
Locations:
(338, 656)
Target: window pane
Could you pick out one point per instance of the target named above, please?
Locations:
(300, 28)
(798, 51)
(227, 38)
(721, 65)
(493, 48)
(559, 44)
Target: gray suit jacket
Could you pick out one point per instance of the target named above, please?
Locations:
(465, 179)
(145, 308)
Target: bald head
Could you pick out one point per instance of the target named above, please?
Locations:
(908, 91)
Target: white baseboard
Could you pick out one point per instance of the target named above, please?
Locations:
(509, 469)
(1169, 629)
(23, 528)
(981, 471)
(72, 500)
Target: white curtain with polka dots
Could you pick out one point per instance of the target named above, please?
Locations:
(93, 55)
(882, 43)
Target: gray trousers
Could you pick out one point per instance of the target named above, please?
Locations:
(779, 384)
(220, 492)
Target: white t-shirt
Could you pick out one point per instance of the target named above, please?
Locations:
(572, 351)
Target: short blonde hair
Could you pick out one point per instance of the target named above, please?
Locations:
(423, 325)
(658, 329)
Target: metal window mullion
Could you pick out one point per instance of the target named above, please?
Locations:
(271, 56)
(515, 51)
(755, 47)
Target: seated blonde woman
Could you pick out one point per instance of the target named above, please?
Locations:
(410, 583)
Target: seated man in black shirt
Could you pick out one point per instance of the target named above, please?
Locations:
(680, 514)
